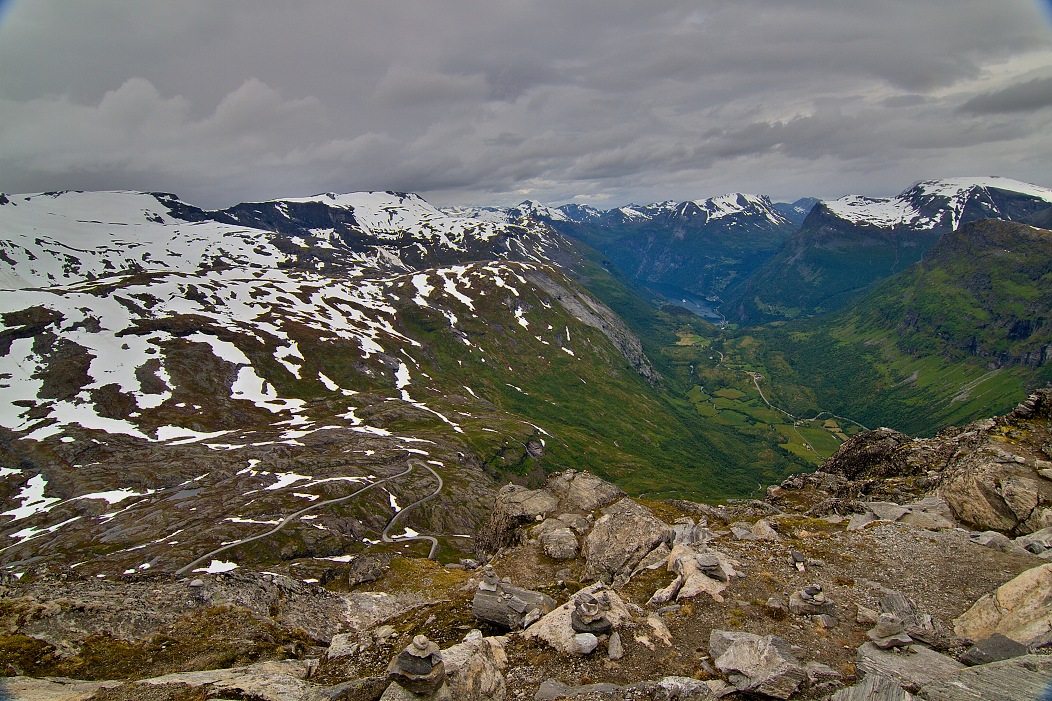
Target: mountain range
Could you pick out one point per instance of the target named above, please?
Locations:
(173, 379)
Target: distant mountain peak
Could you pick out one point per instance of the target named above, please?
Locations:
(934, 204)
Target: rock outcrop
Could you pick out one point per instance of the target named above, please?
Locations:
(1020, 609)
(757, 664)
(620, 539)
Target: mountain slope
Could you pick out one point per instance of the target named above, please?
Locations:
(963, 333)
(847, 244)
(173, 379)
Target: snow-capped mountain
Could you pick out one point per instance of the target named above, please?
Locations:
(166, 369)
(695, 247)
(525, 211)
(848, 243)
(944, 204)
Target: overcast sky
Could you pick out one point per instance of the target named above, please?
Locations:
(493, 101)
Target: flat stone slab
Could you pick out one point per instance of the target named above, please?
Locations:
(1027, 678)
(910, 667)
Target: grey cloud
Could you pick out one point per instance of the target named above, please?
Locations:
(483, 102)
(1034, 94)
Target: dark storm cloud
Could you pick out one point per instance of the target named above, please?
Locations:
(1023, 97)
(464, 101)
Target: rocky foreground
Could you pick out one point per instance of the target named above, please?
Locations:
(905, 568)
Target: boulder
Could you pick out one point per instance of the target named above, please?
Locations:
(889, 632)
(757, 664)
(559, 543)
(475, 668)
(917, 623)
(620, 539)
(265, 681)
(910, 667)
(343, 645)
(655, 559)
(556, 628)
(499, 602)
(991, 492)
(686, 532)
(1020, 609)
(705, 572)
(1037, 543)
(1018, 679)
(875, 454)
(584, 644)
(582, 492)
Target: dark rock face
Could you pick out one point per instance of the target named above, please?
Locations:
(994, 475)
(878, 454)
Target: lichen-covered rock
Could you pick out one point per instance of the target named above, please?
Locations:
(559, 543)
(757, 664)
(621, 538)
(475, 668)
(557, 629)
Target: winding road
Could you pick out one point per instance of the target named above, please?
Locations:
(313, 507)
(385, 536)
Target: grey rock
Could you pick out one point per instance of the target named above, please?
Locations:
(757, 664)
(910, 667)
(560, 544)
(676, 689)
(858, 521)
(620, 539)
(1037, 543)
(824, 620)
(874, 687)
(198, 582)
(802, 605)
(776, 603)
(581, 492)
(474, 669)
(991, 539)
(506, 605)
(419, 668)
(343, 645)
(818, 673)
(584, 644)
(588, 614)
(918, 624)
(993, 649)
(556, 628)
(686, 532)
(1025, 678)
(615, 649)
(551, 690)
(743, 531)
(397, 692)
(655, 559)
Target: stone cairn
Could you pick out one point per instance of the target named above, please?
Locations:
(812, 601)
(889, 632)
(589, 614)
(417, 673)
(497, 601)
